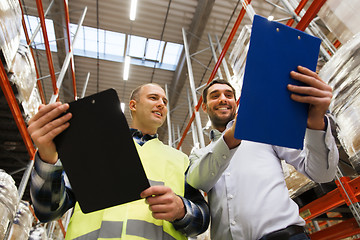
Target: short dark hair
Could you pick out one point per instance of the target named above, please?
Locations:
(216, 81)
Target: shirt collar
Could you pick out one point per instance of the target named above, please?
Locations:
(216, 134)
(138, 134)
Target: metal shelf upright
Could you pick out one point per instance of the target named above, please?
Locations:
(56, 84)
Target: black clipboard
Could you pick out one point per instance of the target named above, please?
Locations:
(99, 155)
(266, 112)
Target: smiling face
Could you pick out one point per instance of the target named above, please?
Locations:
(220, 105)
(149, 108)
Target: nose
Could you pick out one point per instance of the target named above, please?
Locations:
(161, 103)
(223, 98)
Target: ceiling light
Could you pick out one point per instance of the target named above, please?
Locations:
(126, 67)
(122, 106)
(133, 10)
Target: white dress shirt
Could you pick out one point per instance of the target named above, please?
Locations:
(246, 187)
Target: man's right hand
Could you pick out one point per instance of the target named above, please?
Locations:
(44, 126)
(229, 137)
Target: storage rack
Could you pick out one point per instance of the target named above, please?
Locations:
(14, 107)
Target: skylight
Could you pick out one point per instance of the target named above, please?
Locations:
(154, 49)
(137, 46)
(172, 53)
(111, 45)
(32, 23)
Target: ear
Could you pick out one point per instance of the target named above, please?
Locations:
(132, 105)
(204, 107)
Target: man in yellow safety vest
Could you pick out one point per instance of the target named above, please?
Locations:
(171, 210)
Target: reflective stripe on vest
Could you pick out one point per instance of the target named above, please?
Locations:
(114, 229)
(149, 230)
(156, 183)
(90, 235)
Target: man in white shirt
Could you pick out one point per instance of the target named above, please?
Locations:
(244, 180)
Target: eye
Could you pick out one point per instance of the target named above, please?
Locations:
(214, 96)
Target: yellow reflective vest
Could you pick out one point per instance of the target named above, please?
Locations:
(163, 165)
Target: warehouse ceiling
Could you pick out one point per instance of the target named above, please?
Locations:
(160, 20)
(156, 20)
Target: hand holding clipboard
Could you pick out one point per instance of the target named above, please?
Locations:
(266, 113)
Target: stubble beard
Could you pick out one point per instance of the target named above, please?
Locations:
(220, 122)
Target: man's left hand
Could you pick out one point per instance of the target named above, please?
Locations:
(317, 93)
(164, 203)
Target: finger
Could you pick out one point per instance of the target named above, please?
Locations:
(160, 208)
(43, 109)
(311, 79)
(46, 136)
(309, 91)
(47, 114)
(312, 100)
(163, 216)
(308, 72)
(160, 199)
(55, 127)
(154, 190)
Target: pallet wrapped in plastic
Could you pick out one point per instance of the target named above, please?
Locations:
(238, 54)
(23, 73)
(22, 222)
(237, 58)
(9, 199)
(10, 27)
(32, 105)
(342, 73)
(38, 233)
(296, 182)
(341, 17)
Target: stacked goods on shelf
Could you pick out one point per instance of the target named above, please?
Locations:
(342, 73)
(16, 59)
(296, 182)
(341, 17)
(38, 233)
(10, 26)
(23, 75)
(237, 57)
(9, 199)
(22, 222)
(57, 233)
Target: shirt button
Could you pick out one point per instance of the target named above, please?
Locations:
(227, 174)
(224, 156)
(230, 196)
(212, 174)
(233, 222)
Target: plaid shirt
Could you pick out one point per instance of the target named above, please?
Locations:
(52, 195)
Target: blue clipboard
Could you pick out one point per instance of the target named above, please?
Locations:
(266, 112)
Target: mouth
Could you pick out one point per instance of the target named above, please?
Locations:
(223, 108)
(157, 113)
